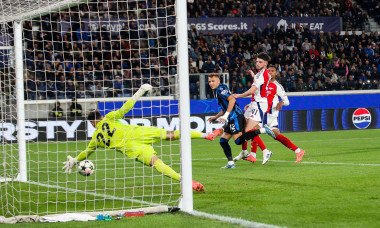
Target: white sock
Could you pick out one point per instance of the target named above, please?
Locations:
(298, 150)
(262, 131)
(245, 152)
(253, 154)
(231, 162)
(204, 135)
(265, 151)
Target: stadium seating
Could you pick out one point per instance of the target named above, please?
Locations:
(306, 60)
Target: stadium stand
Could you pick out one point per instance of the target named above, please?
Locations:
(307, 61)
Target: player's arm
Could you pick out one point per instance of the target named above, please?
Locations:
(127, 106)
(246, 93)
(119, 114)
(71, 162)
(220, 113)
(88, 151)
(284, 98)
(256, 84)
(231, 103)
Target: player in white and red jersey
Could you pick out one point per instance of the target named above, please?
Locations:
(256, 111)
(274, 92)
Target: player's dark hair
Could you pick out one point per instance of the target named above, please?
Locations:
(272, 66)
(94, 115)
(264, 56)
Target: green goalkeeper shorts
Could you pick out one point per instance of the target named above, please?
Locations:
(140, 146)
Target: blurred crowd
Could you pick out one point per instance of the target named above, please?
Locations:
(306, 60)
(92, 61)
(353, 17)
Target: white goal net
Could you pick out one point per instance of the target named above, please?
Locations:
(78, 56)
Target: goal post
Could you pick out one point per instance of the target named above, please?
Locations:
(98, 52)
(183, 66)
(19, 71)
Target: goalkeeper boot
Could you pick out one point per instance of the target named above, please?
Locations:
(266, 155)
(250, 158)
(300, 155)
(243, 154)
(198, 187)
(212, 135)
(269, 131)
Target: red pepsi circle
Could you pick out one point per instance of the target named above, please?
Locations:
(361, 118)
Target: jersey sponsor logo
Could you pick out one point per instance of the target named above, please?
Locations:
(361, 118)
(223, 92)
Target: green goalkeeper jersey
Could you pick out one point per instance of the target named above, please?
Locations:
(110, 132)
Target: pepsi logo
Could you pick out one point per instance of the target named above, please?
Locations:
(361, 118)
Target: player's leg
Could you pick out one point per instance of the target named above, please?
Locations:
(254, 117)
(226, 148)
(252, 155)
(286, 142)
(172, 135)
(147, 155)
(244, 152)
(243, 137)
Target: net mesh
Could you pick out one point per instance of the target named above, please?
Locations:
(98, 53)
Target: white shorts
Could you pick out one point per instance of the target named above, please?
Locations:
(257, 112)
(272, 119)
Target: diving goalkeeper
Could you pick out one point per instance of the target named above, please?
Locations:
(132, 140)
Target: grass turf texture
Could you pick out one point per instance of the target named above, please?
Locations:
(313, 193)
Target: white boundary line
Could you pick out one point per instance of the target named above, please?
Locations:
(237, 221)
(231, 220)
(327, 163)
(94, 194)
(302, 162)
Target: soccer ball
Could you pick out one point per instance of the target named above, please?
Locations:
(85, 168)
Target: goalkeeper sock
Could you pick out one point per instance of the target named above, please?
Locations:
(226, 148)
(161, 167)
(286, 142)
(194, 135)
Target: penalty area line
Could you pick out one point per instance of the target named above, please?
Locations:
(236, 221)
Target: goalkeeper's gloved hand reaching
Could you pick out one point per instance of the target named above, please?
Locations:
(68, 165)
(143, 89)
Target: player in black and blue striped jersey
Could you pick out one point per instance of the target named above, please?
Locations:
(232, 117)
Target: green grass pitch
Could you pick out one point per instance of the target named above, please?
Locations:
(336, 184)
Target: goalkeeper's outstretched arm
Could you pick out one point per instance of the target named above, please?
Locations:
(119, 114)
(71, 162)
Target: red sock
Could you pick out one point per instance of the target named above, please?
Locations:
(253, 146)
(259, 142)
(244, 146)
(286, 142)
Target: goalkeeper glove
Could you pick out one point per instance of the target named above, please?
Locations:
(144, 88)
(68, 165)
